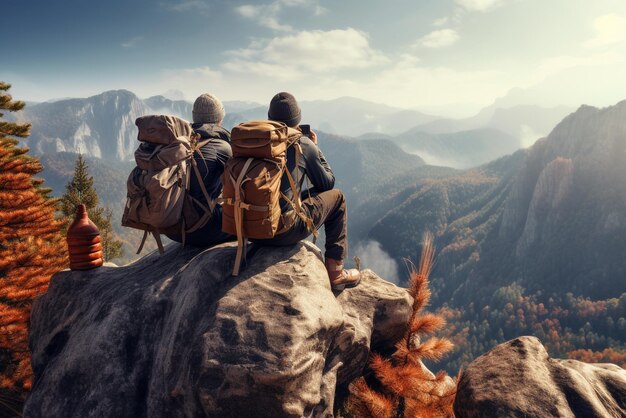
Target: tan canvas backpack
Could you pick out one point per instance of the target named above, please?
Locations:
(252, 179)
(158, 201)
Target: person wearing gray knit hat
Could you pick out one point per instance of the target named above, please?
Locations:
(208, 109)
(208, 114)
(284, 108)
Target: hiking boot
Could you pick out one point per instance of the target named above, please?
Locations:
(341, 278)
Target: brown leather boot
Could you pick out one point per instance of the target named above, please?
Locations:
(341, 278)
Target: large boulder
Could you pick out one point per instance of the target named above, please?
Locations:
(176, 335)
(518, 379)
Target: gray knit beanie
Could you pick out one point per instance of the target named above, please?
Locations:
(284, 108)
(207, 109)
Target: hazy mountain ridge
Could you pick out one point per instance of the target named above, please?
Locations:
(463, 149)
(353, 117)
(552, 217)
(492, 133)
(103, 125)
(507, 118)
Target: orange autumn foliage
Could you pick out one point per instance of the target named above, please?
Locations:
(409, 388)
(608, 355)
(31, 248)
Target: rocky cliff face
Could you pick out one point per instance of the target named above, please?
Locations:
(175, 335)
(100, 126)
(552, 189)
(518, 379)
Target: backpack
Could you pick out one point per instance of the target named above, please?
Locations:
(157, 200)
(252, 179)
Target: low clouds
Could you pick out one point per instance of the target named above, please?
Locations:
(187, 6)
(330, 64)
(555, 65)
(265, 15)
(609, 30)
(325, 64)
(306, 52)
(268, 15)
(373, 257)
(479, 5)
(439, 38)
(131, 43)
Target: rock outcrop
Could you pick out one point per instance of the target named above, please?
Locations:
(176, 335)
(518, 379)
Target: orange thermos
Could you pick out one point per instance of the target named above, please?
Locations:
(83, 242)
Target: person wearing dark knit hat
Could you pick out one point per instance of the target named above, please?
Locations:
(208, 114)
(323, 204)
(284, 108)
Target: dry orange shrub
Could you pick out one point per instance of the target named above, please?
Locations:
(409, 388)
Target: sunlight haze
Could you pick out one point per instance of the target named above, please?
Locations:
(449, 58)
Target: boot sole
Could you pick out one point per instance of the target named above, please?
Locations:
(346, 285)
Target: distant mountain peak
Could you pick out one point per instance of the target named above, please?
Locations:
(115, 93)
(174, 94)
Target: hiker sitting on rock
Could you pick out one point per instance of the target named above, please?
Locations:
(208, 114)
(323, 204)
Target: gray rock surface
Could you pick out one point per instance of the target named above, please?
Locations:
(518, 379)
(176, 335)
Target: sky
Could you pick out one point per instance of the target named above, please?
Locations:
(446, 57)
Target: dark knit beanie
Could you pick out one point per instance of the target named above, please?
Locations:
(207, 109)
(284, 108)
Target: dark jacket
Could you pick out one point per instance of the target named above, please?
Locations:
(313, 166)
(211, 164)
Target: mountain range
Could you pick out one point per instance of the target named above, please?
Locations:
(498, 210)
(103, 126)
(525, 236)
(551, 218)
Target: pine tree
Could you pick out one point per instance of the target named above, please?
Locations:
(80, 190)
(31, 249)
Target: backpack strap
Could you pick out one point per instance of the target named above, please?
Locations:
(296, 203)
(195, 147)
(239, 206)
(157, 238)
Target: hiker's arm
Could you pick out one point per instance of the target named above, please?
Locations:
(224, 153)
(316, 167)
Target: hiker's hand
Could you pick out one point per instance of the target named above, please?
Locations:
(314, 137)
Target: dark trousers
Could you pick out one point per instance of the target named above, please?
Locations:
(209, 234)
(328, 209)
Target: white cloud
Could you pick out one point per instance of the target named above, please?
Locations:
(187, 6)
(441, 21)
(407, 82)
(556, 65)
(479, 5)
(439, 38)
(267, 15)
(132, 42)
(609, 29)
(375, 258)
(191, 82)
(306, 52)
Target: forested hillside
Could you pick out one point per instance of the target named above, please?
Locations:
(525, 240)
